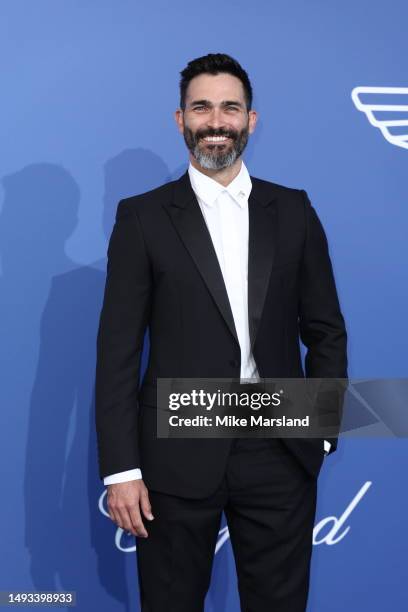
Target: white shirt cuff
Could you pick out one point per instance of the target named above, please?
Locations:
(126, 476)
(327, 446)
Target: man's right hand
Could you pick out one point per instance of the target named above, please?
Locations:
(125, 500)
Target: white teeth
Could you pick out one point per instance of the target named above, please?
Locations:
(215, 138)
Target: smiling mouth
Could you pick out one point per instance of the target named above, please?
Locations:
(215, 139)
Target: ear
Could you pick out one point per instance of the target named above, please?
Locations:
(253, 118)
(179, 118)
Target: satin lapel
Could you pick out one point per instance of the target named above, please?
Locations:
(261, 250)
(189, 222)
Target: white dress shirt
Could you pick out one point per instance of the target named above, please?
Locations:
(225, 211)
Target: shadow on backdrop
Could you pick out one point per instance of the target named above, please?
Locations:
(51, 300)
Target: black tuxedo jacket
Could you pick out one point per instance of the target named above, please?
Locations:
(163, 273)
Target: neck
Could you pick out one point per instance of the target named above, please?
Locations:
(223, 176)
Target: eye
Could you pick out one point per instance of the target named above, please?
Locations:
(200, 108)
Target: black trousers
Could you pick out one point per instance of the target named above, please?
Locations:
(269, 501)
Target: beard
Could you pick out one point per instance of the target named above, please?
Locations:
(216, 156)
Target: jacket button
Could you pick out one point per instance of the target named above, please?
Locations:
(234, 362)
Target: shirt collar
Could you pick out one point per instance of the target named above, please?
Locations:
(208, 190)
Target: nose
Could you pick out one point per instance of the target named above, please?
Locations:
(215, 119)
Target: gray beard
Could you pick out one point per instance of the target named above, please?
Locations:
(215, 160)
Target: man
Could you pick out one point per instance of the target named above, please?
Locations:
(226, 270)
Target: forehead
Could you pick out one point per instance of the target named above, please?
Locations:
(215, 87)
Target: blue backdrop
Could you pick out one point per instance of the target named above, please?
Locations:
(88, 89)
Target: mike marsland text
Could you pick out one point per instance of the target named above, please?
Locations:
(234, 421)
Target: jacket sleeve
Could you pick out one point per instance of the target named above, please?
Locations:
(123, 321)
(321, 323)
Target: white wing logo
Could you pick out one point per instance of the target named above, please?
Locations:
(386, 115)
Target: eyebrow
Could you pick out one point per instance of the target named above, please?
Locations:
(210, 104)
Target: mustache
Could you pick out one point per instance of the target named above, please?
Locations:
(216, 132)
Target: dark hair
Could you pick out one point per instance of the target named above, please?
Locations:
(214, 63)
